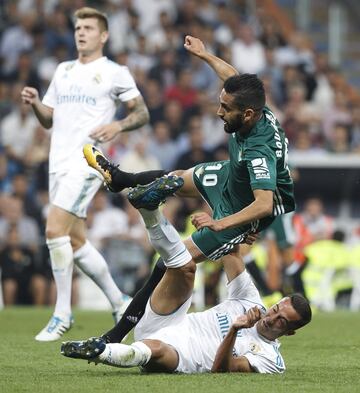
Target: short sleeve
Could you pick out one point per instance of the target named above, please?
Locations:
(261, 165)
(124, 87)
(49, 98)
(242, 287)
(265, 365)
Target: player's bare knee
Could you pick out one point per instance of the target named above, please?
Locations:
(178, 172)
(157, 348)
(77, 242)
(53, 232)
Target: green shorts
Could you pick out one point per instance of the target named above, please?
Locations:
(282, 230)
(211, 184)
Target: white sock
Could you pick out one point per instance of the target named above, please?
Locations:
(122, 355)
(165, 239)
(61, 256)
(93, 264)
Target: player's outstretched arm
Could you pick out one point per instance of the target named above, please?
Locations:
(197, 48)
(260, 208)
(44, 114)
(138, 115)
(224, 359)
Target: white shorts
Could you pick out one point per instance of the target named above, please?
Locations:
(73, 191)
(172, 329)
(197, 336)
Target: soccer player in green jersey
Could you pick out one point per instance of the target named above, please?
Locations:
(245, 193)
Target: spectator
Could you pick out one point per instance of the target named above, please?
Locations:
(311, 224)
(59, 32)
(25, 73)
(138, 158)
(196, 153)
(162, 146)
(340, 141)
(17, 131)
(16, 39)
(166, 69)
(12, 215)
(17, 265)
(248, 55)
(106, 221)
(183, 91)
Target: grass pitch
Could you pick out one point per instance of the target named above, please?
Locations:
(323, 357)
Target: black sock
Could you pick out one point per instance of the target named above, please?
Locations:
(256, 274)
(136, 308)
(121, 179)
(293, 273)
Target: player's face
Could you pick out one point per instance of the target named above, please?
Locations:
(88, 36)
(275, 322)
(233, 118)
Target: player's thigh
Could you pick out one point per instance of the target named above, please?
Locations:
(164, 357)
(210, 178)
(214, 245)
(59, 222)
(174, 289)
(233, 263)
(73, 191)
(189, 188)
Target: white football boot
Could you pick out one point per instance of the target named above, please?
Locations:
(55, 328)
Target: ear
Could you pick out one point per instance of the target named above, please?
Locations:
(104, 37)
(290, 333)
(248, 114)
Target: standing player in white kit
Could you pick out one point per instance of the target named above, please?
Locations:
(80, 105)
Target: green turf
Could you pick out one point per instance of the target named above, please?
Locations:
(323, 357)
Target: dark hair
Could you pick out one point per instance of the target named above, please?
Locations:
(302, 307)
(248, 91)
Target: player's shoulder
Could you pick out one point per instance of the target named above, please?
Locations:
(66, 65)
(265, 130)
(115, 67)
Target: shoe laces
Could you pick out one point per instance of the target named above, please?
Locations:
(105, 164)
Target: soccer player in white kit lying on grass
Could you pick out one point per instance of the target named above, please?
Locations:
(80, 105)
(238, 335)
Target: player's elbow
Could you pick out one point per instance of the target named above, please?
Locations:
(268, 209)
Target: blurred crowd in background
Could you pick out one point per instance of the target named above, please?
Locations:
(310, 98)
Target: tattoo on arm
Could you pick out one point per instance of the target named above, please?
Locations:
(138, 114)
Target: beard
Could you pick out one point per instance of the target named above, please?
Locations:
(234, 125)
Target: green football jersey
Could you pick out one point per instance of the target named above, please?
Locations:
(258, 160)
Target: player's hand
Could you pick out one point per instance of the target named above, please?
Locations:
(106, 132)
(194, 46)
(250, 238)
(202, 220)
(247, 320)
(29, 95)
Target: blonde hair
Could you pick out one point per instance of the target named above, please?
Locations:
(88, 12)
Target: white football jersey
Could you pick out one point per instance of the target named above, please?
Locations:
(83, 96)
(197, 336)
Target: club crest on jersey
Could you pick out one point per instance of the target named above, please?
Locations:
(255, 348)
(260, 168)
(69, 66)
(97, 79)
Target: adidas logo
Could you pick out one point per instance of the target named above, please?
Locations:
(132, 319)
